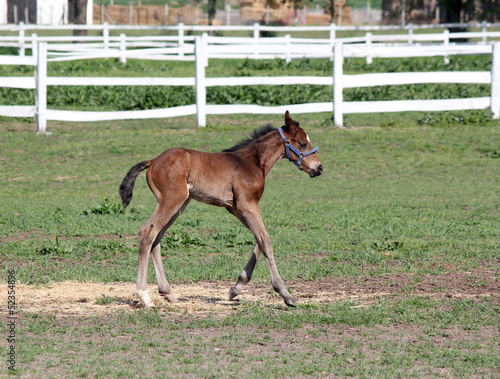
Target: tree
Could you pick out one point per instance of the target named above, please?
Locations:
(330, 9)
(212, 4)
(453, 9)
(77, 13)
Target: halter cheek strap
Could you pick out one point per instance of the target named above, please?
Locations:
(289, 146)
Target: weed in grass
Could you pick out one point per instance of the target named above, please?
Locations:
(58, 248)
(107, 207)
(105, 300)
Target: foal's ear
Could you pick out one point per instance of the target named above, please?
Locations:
(290, 125)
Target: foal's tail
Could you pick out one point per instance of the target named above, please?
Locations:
(128, 182)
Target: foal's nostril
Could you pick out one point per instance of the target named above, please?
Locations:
(316, 172)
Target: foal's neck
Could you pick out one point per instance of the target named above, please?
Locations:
(267, 151)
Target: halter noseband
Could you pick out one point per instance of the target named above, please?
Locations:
(289, 146)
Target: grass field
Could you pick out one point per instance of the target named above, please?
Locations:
(392, 254)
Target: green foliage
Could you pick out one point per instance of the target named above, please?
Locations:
(177, 240)
(452, 118)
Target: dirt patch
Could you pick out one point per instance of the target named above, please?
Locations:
(75, 298)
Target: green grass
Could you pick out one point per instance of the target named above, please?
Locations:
(423, 193)
(411, 338)
(401, 197)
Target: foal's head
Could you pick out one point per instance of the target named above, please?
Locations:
(307, 160)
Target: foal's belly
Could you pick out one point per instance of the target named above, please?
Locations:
(214, 195)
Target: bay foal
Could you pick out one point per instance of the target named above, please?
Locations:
(233, 179)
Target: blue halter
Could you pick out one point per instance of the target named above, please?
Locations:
(289, 146)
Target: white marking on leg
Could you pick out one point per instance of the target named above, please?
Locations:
(144, 297)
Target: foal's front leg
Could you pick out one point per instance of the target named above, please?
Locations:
(246, 274)
(161, 278)
(254, 222)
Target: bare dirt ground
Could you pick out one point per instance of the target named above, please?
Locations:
(74, 298)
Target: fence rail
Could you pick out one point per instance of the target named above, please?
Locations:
(260, 48)
(203, 50)
(106, 41)
(221, 28)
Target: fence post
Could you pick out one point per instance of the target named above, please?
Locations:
(446, 42)
(123, 48)
(410, 33)
(34, 46)
(368, 37)
(181, 37)
(495, 81)
(256, 36)
(21, 39)
(484, 30)
(41, 88)
(105, 34)
(338, 61)
(332, 36)
(288, 55)
(200, 87)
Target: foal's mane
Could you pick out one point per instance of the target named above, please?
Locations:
(256, 134)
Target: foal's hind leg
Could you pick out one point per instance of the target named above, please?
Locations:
(161, 278)
(149, 242)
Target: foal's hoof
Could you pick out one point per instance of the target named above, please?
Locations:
(172, 299)
(232, 294)
(145, 299)
(290, 303)
(169, 297)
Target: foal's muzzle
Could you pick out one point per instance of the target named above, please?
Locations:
(316, 172)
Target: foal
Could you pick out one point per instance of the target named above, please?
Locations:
(234, 179)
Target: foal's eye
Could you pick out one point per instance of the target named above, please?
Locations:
(302, 145)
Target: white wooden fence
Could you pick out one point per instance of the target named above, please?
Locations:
(342, 81)
(203, 51)
(92, 43)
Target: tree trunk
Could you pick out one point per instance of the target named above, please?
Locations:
(211, 10)
(77, 12)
